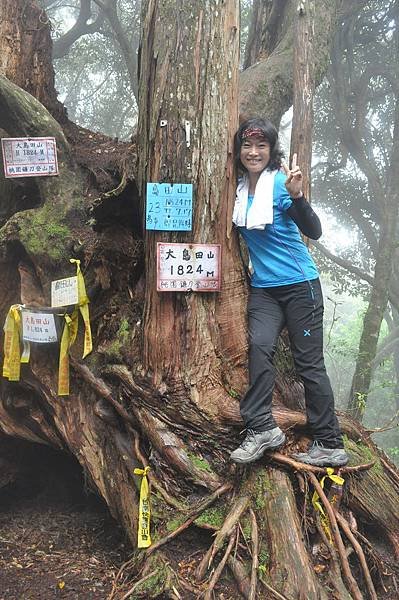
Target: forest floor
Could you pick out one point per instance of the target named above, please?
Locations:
(58, 540)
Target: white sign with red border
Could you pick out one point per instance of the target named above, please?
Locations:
(188, 267)
(29, 157)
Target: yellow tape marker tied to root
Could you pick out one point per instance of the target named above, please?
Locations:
(13, 335)
(317, 504)
(12, 350)
(71, 330)
(143, 532)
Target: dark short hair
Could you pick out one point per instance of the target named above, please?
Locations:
(271, 135)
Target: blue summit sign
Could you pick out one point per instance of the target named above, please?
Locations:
(169, 206)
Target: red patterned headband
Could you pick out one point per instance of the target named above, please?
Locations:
(253, 132)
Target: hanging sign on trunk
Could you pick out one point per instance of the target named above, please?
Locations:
(29, 157)
(38, 327)
(64, 291)
(188, 267)
(169, 206)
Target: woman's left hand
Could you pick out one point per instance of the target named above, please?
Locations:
(294, 180)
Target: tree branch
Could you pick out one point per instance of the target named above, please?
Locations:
(359, 551)
(218, 571)
(342, 262)
(345, 264)
(198, 510)
(238, 508)
(353, 134)
(62, 45)
(48, 3)
(354, 210)
(129, 50)
(266, 86)
(385, 350)
(302, 467)
(354, 589)
(255, 552)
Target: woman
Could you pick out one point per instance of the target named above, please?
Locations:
(285, 290)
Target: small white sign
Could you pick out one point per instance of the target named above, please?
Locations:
(64, 291)
(29, 157)
(188, 267)
(38, 327)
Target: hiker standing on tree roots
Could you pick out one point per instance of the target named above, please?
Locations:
(285, 290)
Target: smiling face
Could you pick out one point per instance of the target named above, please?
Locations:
(255, 154)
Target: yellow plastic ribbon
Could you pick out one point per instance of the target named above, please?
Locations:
(12, 351)
(143, 532)
(12, 336)
(83, 303)
(68, 338)
(71, 330)
(325, 522)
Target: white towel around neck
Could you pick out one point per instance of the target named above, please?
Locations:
(260, 212)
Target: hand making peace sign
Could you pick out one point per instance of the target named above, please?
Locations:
(294, 178)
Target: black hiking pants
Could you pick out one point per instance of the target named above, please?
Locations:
(300, 308)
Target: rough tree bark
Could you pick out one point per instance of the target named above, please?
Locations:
(160, 386)
(183, 348)
(303, 91)
(25, 58)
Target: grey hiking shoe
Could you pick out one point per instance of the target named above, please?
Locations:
(256, 443)
(320, 456)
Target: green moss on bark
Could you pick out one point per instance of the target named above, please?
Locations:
(199, 462)
(213, 516)
(44, 231)
(262, 488)
(359, 454)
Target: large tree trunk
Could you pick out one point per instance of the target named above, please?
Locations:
(182, 79)
(378, 300)
(26, 52)
(266, 82)
(161, 385)
(303, 92)
(377, 305)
